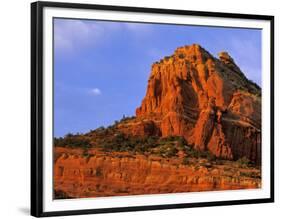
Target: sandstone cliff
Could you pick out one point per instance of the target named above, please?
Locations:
(207, 100)
(111, 174)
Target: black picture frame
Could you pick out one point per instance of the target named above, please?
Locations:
(37, 107)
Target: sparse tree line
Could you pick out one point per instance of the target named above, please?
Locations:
(110, 139)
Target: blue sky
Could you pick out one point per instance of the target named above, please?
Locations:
(101, 68)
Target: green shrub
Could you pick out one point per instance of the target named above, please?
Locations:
(85, 153)
(182, 142)
(168, 150)
(186, 161)
(251, 175)
(73, 141)
(243, 162)
(208, 155)
(191, 152)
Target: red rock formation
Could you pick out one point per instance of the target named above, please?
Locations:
(192, 94)
(123, 174)
(207, 100)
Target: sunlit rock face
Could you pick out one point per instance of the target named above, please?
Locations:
(207, 100)
(118, 174)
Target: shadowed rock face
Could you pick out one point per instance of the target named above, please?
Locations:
(207, 100)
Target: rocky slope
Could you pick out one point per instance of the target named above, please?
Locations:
(207, 100)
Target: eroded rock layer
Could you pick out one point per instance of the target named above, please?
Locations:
(123, 174)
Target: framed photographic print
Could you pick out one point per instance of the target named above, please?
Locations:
(144, 108)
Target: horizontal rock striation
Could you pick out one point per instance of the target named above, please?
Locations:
(124, 174)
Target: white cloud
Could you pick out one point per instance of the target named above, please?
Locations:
(72, 35)
(139, 27)
(95, 91)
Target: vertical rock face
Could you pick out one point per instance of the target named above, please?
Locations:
(207, 100)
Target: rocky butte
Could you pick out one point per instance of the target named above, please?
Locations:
(191, 94)
(207, 100)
